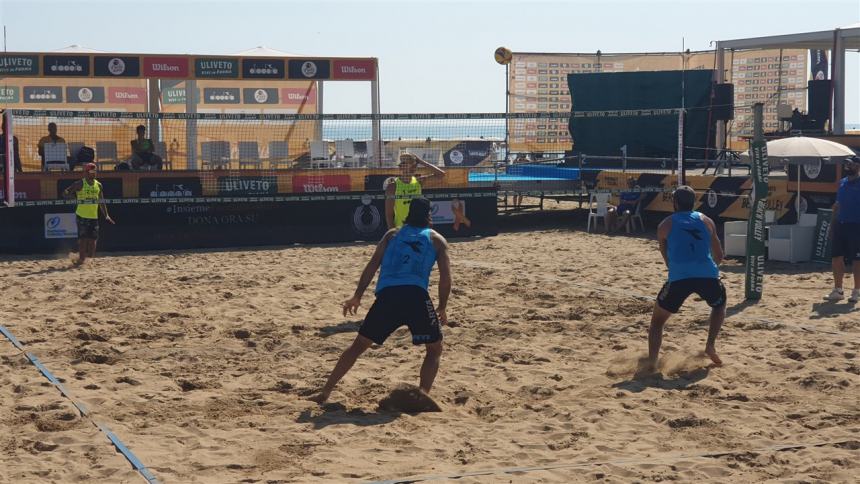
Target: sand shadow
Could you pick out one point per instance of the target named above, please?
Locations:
(337, 414)
(344, 327)
(739, 307)
(829, 309)
(682, 381)
(49, 270)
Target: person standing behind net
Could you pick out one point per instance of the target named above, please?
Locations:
(400, 190)
(691, 250)
(845, 231)
(88, 192)
(407, 256)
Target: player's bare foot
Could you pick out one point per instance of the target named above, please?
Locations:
(320, 398)
(712, 354)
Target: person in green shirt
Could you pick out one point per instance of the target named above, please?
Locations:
(88, 192)
(400, 190)
(143, 151)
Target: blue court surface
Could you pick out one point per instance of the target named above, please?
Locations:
(527, 173)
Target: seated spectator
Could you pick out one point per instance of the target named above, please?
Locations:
(51, 138)
(618, 216)
(143, 151)
(16, 152)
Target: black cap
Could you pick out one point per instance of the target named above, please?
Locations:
(419, 210)
(685, 197)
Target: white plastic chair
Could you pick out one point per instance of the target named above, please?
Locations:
(634, 217)
(344, 151)
(597, 209)
(319, 155)
(161, 152)
(55, 157)
(249, 155)
(279, 154)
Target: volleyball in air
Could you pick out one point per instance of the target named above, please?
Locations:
(503, 55)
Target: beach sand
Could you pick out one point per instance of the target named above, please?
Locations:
(200, 361)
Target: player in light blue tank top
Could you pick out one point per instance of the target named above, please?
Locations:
(408, 259)
(405, 258)
(691, 250)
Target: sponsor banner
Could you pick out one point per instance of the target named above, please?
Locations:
(221, 95)
(309, 69)
(116, 66)
(322, 183)
(43, 94)
(818, 64)
(111, 187)
(822, 246)
(261, 95)
(442, 213)
(9, 94)
(753, 287)
(127, 95)
(216, 67)
(60, 226)
(85, 94)
(19, 65)
(354, 70)
(170, 187)
(25, 190)
(165, 66)
(468, 153)
(66, 65)
(263, 68)
(247, 185)
(176, 95)
(292, 95)
(178, 225)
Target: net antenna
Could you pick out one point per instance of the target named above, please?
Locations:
(8, 148)
(681, 171)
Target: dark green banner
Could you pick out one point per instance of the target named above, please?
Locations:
(821, 247)
(755, 229)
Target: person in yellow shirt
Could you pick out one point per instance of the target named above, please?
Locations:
(88, 192)
(51, 138)
(400, 190)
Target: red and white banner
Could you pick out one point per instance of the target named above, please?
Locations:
(292, 95)
(321, 184)
(164, 66)
(126, 95)
(354, 70)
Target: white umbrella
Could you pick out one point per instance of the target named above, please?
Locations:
(804, 147)
(801, 150)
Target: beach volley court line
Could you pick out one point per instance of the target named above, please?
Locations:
(646, 460)
(642, 297)
(117, 443)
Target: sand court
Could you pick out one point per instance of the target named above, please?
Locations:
(201, 362)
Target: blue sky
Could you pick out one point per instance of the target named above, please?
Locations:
(434, 56)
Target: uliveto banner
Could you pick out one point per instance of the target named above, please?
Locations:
(821, 247)
(755, 229)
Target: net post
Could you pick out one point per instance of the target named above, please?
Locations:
(191, 125)
(754, 270)
(376, 132)
(9, 158)
(681, 173)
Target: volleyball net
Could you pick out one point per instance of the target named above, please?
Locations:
(314, 155)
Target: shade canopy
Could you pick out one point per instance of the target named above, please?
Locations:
(805, 147)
